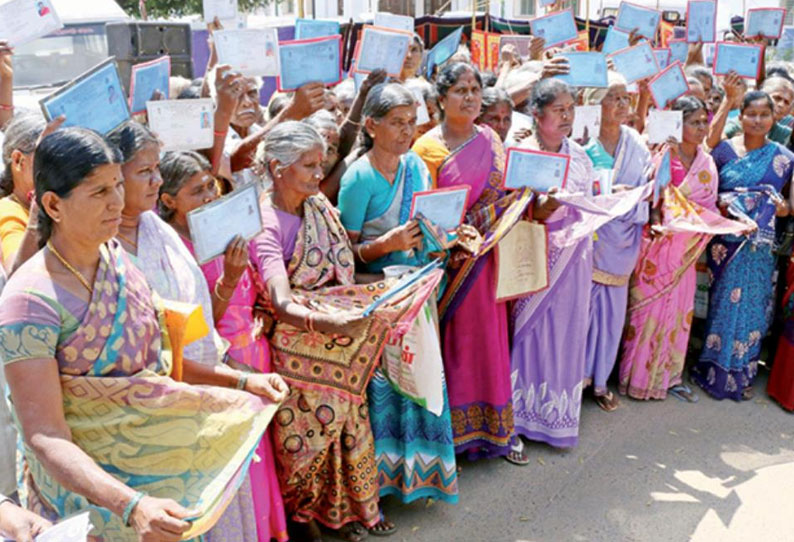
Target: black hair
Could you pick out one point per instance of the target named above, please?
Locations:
(176, 169)
(131, 137)
(451, 73)
(488, 79)
(755, 95)
(546, 91)
(20, 135)
(688, 105)
(778, 71)
(62, 161)
(277, 105)
(190, 93)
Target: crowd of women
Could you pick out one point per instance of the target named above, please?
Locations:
(142, 383)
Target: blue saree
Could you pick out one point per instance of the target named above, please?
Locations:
(413, 447)
(741, 295)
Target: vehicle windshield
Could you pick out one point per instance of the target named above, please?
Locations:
(60, 56)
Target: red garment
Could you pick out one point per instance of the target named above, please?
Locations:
(781, 381)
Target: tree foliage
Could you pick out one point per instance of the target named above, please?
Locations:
(168, 8)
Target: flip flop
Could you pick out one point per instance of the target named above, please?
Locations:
(382, 532)
(684, 393)
(517, 453)
(607, 402)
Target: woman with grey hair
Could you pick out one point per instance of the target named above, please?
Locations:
(411, 443)
(325, 123)
(326, 351)
(550, 327)
(497, 111)
(621, 158)
(16, 183)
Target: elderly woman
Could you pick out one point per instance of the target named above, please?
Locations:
(173, 273)
(550, 327)
(620, 158)
(16, 183)
(413, 447)
(752, 172)
(90, 380)
(476, 356)
(496, 111)
(188, 184)
(321, 342)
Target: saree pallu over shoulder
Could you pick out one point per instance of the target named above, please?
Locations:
(322, 277)
(170, 440)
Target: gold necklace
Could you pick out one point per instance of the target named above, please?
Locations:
(127, 239)
(69, 266)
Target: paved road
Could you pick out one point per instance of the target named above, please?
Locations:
(660, 471)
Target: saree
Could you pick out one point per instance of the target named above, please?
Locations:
(189, 443)
(238, 327)
(324, 444)
(476, 356)
(662, 287)
(413, 447)
(781, 381)
(741, 294)
(616, 247)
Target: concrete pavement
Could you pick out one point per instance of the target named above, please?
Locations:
(655, 471)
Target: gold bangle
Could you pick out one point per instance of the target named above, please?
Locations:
(358, 253)
(218, 293)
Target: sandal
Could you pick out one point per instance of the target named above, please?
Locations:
(684, 393)
(352, 532)
(517, 456)
(748, 394)
(608, 402)
(383, 527)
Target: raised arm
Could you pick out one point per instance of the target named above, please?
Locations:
(6, 84)
(733, 89)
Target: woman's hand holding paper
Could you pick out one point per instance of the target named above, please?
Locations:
(555, 66)
(405, 237)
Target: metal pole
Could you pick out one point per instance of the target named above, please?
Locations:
(587, 22)
(473, 14)
(300, 8)
(314, 9)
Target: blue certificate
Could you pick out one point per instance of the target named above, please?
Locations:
(615, 41)
(444, 207)
(636, 63)
(766, 22)
(94, 100)
(443, 50)
(383, 49)
(662, 57)
(631, 17)
(586, 70)
(679, 49)
(146, 79)
(663, 177)
(307, 61)
(744, 59)
(557, 28)
(314, 28)
(668, 85)
(701, 21)
(541, 171)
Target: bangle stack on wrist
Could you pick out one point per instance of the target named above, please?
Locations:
(131, 507)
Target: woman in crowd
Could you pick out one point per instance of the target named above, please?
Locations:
(496, 111)
(89, 322)
(413, 60)
(620, 158)
(550, 327)
(16, 183)
(476, 357)
(662, 288)
(188, 184)
(752, 172)
(173, 273)
(323, 440)
(413, 446)
(430, 97)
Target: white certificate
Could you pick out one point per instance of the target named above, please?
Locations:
(766, 22)
(538, 170)
(73, 529)
(382, 48)
(224, 10)
(668, 85)
(384, 19)
(556, 28)
(307, 61)
(22, 21)
(615, 41)
(701, 21)
(214, 225)
(444, 207)
(663, 124)
(586, 116)
(182, 125)
(636, 62)
(93, 100)
(644, 20)
(315, 28)
(422, 113)
(249, 51)
(744, 59)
